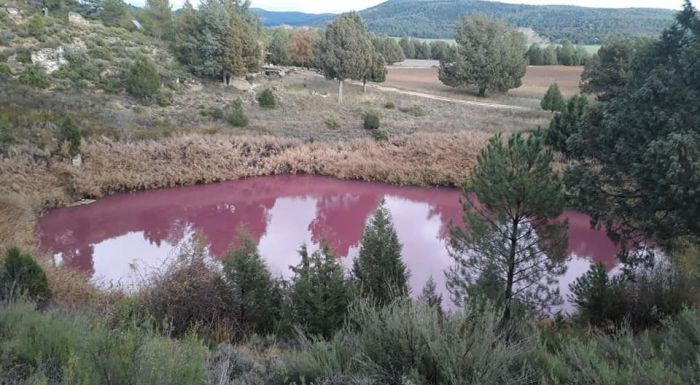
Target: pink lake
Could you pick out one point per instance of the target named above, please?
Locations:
(118, 238)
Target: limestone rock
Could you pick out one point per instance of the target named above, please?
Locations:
(50, 59)
(241, 84)
(14, 14)
(77, 19)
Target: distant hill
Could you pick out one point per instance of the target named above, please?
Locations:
(295, 19)
(436, 19)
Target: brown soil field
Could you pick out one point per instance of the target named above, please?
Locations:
(535, 83)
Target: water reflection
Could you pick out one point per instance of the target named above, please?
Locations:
(108, 238)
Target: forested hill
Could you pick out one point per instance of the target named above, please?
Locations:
(436, 19)
(295, 19)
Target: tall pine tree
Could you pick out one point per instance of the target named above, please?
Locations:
(378, 269)
(510, 244)
(320, 293)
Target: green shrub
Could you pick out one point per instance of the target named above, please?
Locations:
(319, 359)
(640, 298)
(389, 105)
(380, 134)
(165, 99)
(414, 110)
(668, 355)
(80, 349)
(371, 119)
(332, 123)
(35, 76)
(4, 69)
(411, 340)
(267, 99)
(23, 277)
(70, 133)
(237, 117)
(142, 79)
(35, 26)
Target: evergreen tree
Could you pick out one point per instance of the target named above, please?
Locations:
(186, 31)
(408, 47)
(277, 46)
(346, 51)
(256, 298)
(430, 296)
(320, 293)
(535, 56)
(378, 269)
(22, 276)
(566, 123)
(389, 49)
(511, 241)
(376, 72)
(241, 51)
(142, 78)
(637, 165)
(114, 13)
(566, 54)
(598, 298)
(441, 50)
(607, 73)
(553, 99)
(490, 56)
(549, 56)
(159, 19)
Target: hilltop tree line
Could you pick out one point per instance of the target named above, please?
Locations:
(438, 19)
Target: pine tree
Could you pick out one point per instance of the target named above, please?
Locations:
(346, 51)
(566, 123)
(22, 276)
(256, 298)
(378, 269)
(320, 293)
(376, 72)
(159, 19)
(408, 47)
(490, 56)
(511, 244)
(597, 297)
(553, 99)
(277, 47)
(430, 296)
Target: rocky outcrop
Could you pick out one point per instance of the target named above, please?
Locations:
(14, 14)
(77, 19)
(50, 59)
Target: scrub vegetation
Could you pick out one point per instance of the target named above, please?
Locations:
(623, 154)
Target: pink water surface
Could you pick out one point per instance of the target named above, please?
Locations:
(118, 238)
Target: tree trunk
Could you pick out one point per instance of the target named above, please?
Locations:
(482, 91)
(340, 91)
(364, 85)
(511, 267)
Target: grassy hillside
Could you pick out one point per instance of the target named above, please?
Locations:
(436, 19)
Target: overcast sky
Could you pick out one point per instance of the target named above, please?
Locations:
(336, 6)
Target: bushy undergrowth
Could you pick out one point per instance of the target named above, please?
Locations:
(372, 120)
(237, 117)
(57, 348)
(267, 99)
(35, 76)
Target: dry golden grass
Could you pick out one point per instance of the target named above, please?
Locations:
(33, 184)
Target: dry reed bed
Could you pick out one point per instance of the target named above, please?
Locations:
(33, 184)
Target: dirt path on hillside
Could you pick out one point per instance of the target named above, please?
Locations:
(433, 96)
(443, 98)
